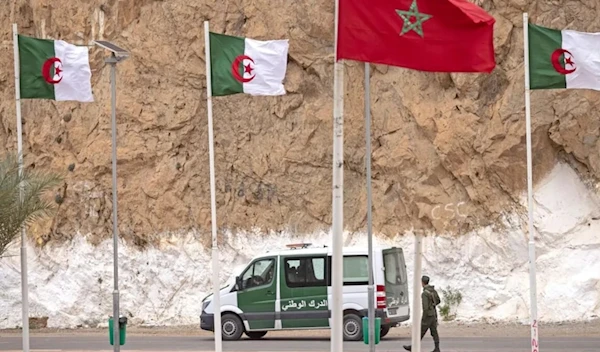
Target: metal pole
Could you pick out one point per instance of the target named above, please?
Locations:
(416, 306)
(532, 278)
(113, 94)
(213, 205)
(24, 279)
(370, 288)
(337, 228)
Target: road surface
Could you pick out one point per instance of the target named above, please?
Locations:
(295, 344)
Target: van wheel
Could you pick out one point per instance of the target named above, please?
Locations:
(255, 335)
(231, 327)
(384, 330)
(352, 327)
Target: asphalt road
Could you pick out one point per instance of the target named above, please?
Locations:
(296, 344)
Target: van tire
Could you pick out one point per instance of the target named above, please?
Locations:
(255, 335)
(385, 330)
(231, 327)
(352, 327)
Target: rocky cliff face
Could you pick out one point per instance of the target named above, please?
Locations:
(436, 138)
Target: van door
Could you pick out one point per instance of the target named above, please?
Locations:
(303, 291)
(396, 285)
(256, 296)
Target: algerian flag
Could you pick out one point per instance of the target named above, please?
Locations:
(242, 65)
(563, 59)
(54, 69)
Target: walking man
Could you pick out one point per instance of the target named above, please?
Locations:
(429, 321)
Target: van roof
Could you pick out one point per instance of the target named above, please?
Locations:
(319, 250)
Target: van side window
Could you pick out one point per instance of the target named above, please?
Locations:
(305, 271)
(258, 274)
(356, 270)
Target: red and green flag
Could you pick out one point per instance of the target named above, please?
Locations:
(424, 35)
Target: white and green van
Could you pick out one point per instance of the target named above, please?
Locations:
(290, 290)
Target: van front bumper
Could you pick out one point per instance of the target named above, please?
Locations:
(207, 321)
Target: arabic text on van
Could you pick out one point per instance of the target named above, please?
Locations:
(302, 304)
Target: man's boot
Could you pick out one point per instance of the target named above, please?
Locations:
(407, 347)
(437, 347)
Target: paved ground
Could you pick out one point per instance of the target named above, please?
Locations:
(193, 343)
(582, 337)
(190, 343)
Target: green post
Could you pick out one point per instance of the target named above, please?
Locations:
(365, 322)
(122, 330)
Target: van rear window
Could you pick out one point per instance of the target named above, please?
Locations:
(393, 274)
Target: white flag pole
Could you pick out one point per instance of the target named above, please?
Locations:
(337, 228)
(213, 206)
(532, 278)
(370, 286)
(416, 299)
(24, 280)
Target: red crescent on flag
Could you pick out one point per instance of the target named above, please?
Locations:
(48, 65)
(556, 63)
(235, 68)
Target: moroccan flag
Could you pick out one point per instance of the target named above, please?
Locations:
(563, 59)
(242, 65)
(424, 35)
(54, 69)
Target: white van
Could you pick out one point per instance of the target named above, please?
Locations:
(290, 290)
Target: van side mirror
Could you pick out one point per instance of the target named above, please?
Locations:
(238, 283)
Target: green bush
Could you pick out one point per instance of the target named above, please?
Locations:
(451, 299)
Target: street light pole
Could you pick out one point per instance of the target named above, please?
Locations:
(117, 55)
(112, 61)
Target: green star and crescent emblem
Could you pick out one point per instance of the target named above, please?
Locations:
(413, 19)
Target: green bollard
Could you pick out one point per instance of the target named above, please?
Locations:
(377, 331)
(122, 330)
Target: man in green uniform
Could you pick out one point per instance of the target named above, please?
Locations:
(430, 299)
